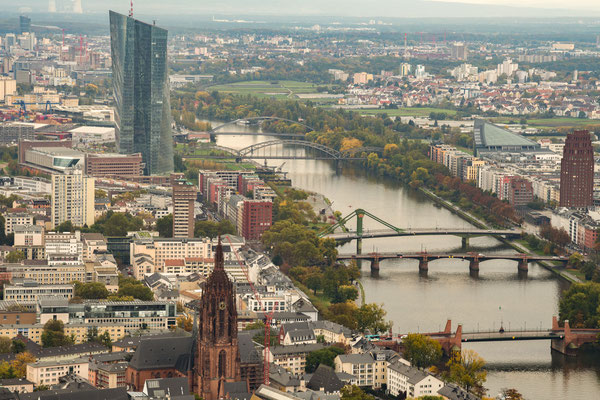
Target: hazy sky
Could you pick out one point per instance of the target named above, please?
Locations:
(580, 4)
(390, 8)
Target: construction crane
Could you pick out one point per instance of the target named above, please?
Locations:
(268, 315)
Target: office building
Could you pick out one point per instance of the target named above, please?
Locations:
(577, 171)
(28, 291)
(257, 217)
(520, 192)
(141, 92)
(184, 196)
(54, 159)
(13, 219)
(24, 24)
(114, 165)
(72, 198)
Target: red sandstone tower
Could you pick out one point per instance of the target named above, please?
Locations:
(217, 359)
(577, 171)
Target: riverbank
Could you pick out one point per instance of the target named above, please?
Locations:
(555, 269)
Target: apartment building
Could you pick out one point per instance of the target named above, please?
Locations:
(184, 197)
(72, 198)
(13, 219)
(411, 382)
(148, 255)
(48, 372)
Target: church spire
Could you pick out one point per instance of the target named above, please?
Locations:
(219, 263)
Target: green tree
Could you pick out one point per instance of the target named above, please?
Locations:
(164, 226)
(66, 226)
(91, 290)
(135, 289)
(212, 229)
(421, 351)
(467, 369)
(580, 304)
(18, 346)
(353, 392)
(371, 318)
(323, 356)
(53, 334)
(5, 345)
(15, 256)
(314, 282)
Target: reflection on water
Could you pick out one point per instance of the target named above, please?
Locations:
(417, 303)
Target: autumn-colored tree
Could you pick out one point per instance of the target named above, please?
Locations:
(185, 322)
(466, 369)
(19, 364)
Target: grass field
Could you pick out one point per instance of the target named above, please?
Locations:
(407, 112)
(277, 89)
(550, 123)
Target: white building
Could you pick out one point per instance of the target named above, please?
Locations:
(73, 198)
(411, 381)
(48, 372)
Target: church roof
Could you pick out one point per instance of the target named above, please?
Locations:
(248, 353)
(164, 352)
(325, 379)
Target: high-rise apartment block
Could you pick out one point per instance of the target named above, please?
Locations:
(458, 51)
(184, 196)
(141, 92)
(72, 198)
(577, 171)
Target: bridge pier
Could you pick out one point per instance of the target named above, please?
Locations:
(523, 265)
(375, 265)
(474, 265)
(423, 265)
(465, 242)
(359, 246)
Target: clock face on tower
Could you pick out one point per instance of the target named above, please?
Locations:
(222, 305)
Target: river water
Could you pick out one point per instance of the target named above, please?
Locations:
(498, 295)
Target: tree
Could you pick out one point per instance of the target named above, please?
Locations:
(20, 363)
(576, 260)
(53, 334)
(581, 305)
(212, 229)
(15, 257)
(91, 290)
(324, 356)
(5, 344)
(314, 282)
(66, 226)
(135, 289)
(185, 322)
(421, 351)
(164, 226)
(466, 369)
(371, 318)
(353, 392)
(512, 394)
(7, 370)
(18, 346)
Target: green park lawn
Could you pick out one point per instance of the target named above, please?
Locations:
(407, 111)
(267, 88)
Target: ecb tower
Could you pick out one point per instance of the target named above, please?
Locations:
(141, 92)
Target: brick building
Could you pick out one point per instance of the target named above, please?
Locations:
(114, 165)
(257, 217)
(577, 171)
(520, 192)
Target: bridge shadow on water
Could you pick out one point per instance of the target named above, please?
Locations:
(558, 363)
(506, 274)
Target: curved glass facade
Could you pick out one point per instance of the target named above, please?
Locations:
(141, 92)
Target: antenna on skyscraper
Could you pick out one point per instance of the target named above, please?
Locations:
(131, 9)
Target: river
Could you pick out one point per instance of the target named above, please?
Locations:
(423, 304)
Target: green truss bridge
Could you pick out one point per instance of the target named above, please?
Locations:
(339, 231)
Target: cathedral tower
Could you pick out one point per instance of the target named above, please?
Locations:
(217, 358)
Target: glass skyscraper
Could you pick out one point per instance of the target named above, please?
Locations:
(141, 91)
